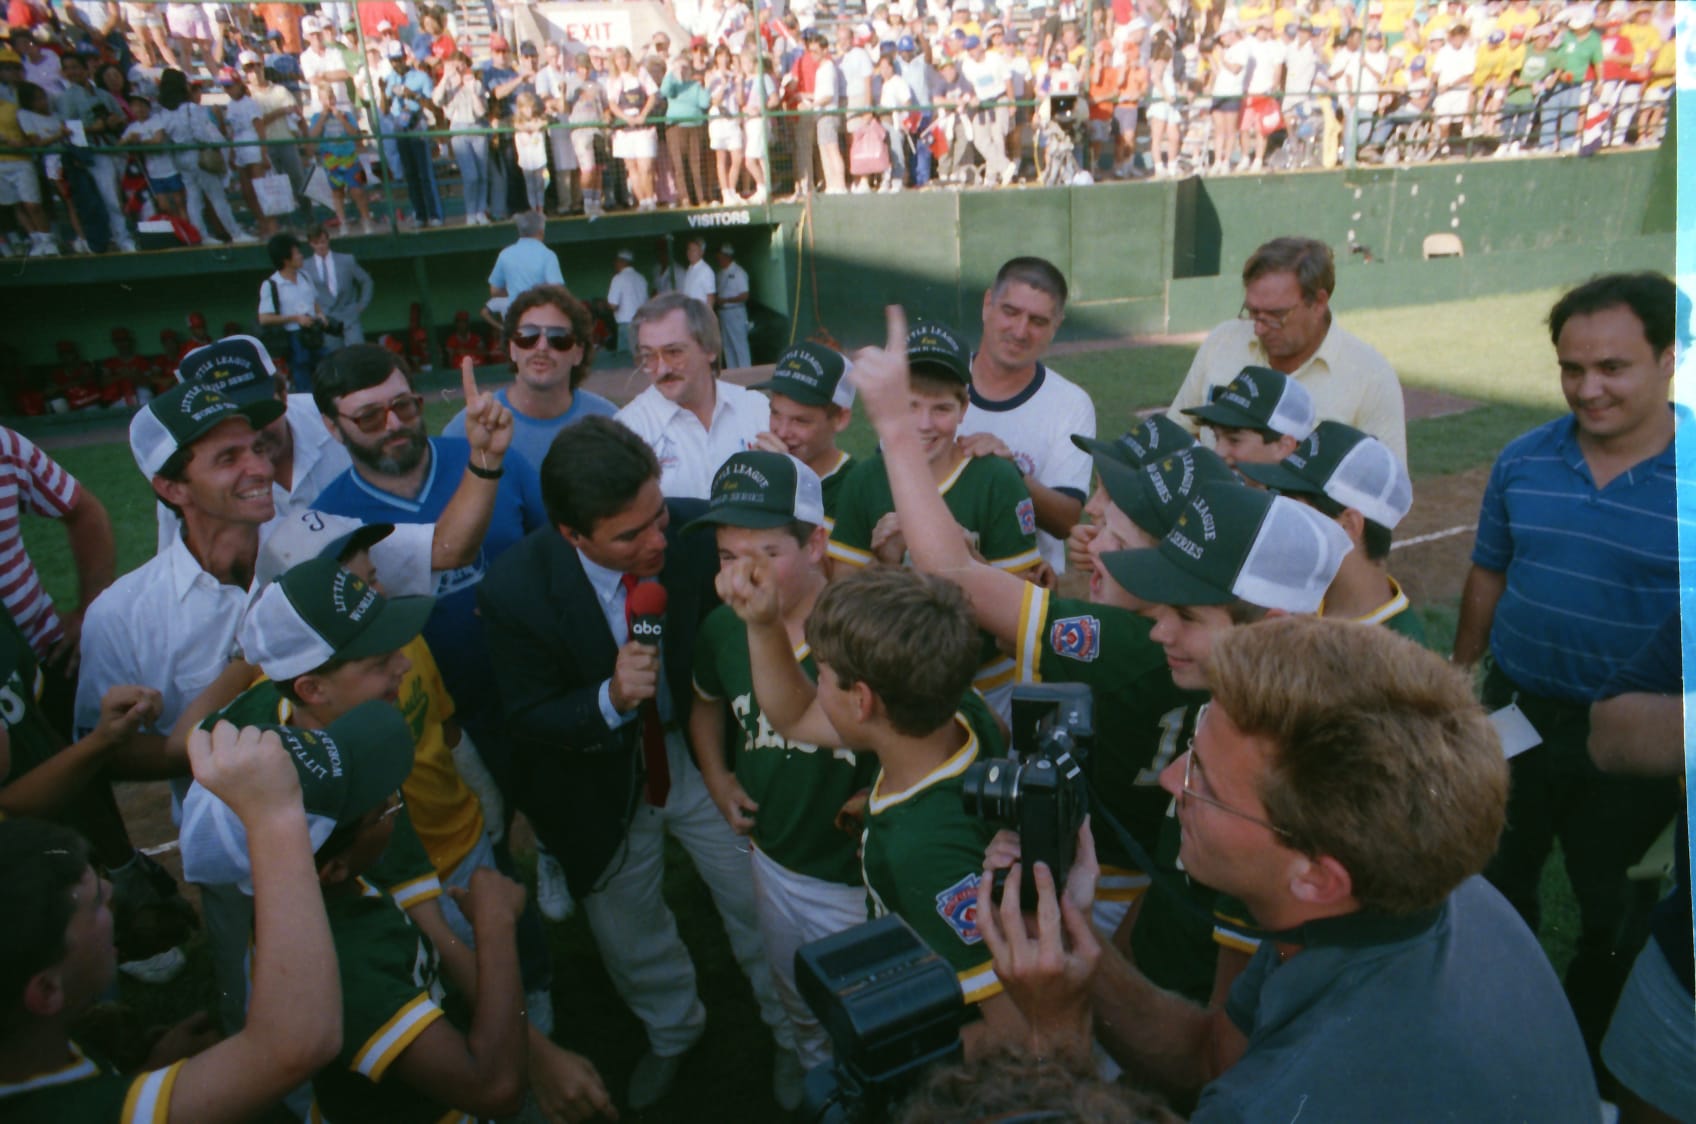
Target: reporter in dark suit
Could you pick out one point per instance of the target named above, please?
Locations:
(344, 289)
(599, 779)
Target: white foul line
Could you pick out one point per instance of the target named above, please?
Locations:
(1433, 536)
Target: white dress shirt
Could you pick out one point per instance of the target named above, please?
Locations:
(689, 453)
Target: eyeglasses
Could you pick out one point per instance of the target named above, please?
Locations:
(371, 419)
(1266, 317)
(648, 358)
(1195, 775)
(560, 339)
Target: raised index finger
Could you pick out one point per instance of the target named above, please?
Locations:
(468, 380)
(896, 317)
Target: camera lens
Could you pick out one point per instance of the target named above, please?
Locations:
(990, 791)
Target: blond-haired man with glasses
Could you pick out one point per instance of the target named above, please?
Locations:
(1286, 323)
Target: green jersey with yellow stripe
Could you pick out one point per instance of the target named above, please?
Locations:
(799, 787)
(922, 854)
(988, 499)
(31, 736)
(391, 993)
(404, 868)
(832, 482)
(1139, 716)
(87, 1090)
(1397, 615)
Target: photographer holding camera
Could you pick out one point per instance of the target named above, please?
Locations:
(1346, 786)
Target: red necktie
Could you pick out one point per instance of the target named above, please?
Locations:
(658, 783)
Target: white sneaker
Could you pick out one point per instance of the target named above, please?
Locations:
(80, 246)
(123, 245)
(433, 222)
(731, 198)
(553, 896)
(158, 969)
(861, 187)
(758, 197)
(244, 238)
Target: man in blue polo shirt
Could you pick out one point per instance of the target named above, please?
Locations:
(1575, 568)
(523, 265)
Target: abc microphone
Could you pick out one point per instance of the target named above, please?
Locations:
(647, 613)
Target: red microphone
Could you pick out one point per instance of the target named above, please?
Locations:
(646, 605)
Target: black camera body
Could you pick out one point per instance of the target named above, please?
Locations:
(891, 1006)
(1043, 794)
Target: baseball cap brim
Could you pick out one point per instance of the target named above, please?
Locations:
(733, 515)
(1099, 449)
(1280, 478)
(395, 626)
(799, 391)
(1225, 414)
(1150, 576)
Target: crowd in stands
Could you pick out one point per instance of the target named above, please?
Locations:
(286, 112)
(1311, 874)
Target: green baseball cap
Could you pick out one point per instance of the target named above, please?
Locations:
(318, 612)
(934, 348)
(1154, 436)
(760, 489)
(238, 367)
(1260, 398)
(183, 415)
(1231, 542)
(813, 375)
(346, 770)
(1346, 466)
(1153, 495)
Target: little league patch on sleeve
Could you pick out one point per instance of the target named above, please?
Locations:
(958, 905)
(1076, 638)
(1027, 517)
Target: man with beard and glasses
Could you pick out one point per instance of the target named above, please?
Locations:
(401, 475)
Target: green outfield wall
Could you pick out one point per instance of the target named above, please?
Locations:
(1142, 258)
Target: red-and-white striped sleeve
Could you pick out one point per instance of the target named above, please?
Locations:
(29, 480)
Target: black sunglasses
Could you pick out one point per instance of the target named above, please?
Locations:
(560, 339)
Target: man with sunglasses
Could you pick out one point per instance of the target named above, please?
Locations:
(547, 338)
(1348, 787)
(1285, 323)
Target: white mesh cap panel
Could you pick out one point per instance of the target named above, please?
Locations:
(276, 637)
(809, 494)
(150, 442)
(1293, 559)
(1371, 480)
(1294, 414)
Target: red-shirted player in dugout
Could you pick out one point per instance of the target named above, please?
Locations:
(74, 379)
(125, 373)
(198, 336)
(164, 375)
(465, 341)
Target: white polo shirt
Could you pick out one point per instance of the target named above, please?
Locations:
(297, 298)
(688, 453)
(700, 283)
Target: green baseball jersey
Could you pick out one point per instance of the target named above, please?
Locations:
(988, 499)
(404, 869)
(1140, 716)
(799, 787)
(1397, 615)
(33, 739)
(391, 992)
(832, 482)
(91, 1090)
(922, 854)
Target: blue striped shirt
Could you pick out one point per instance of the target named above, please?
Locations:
(1591, 574)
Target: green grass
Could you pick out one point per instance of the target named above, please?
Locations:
(1493, 351)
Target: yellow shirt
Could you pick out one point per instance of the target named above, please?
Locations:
(1282, 18)
(1645, 41)
(1251, 10)
(1666, 60)
(11, 133)
(444, 811)
(1492, 64)
(1438, 26)
(1396, 15)
(1511, 18)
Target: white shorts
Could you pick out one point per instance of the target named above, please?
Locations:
(248, 155)
(583, 144)
(18, 182)
(754, 138)
(635, 144)
(1164, 111)
(144, 15)
(724, 134)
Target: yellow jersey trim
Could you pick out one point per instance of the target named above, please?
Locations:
(952, 767)
(394, 1036)
(149, 1098)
